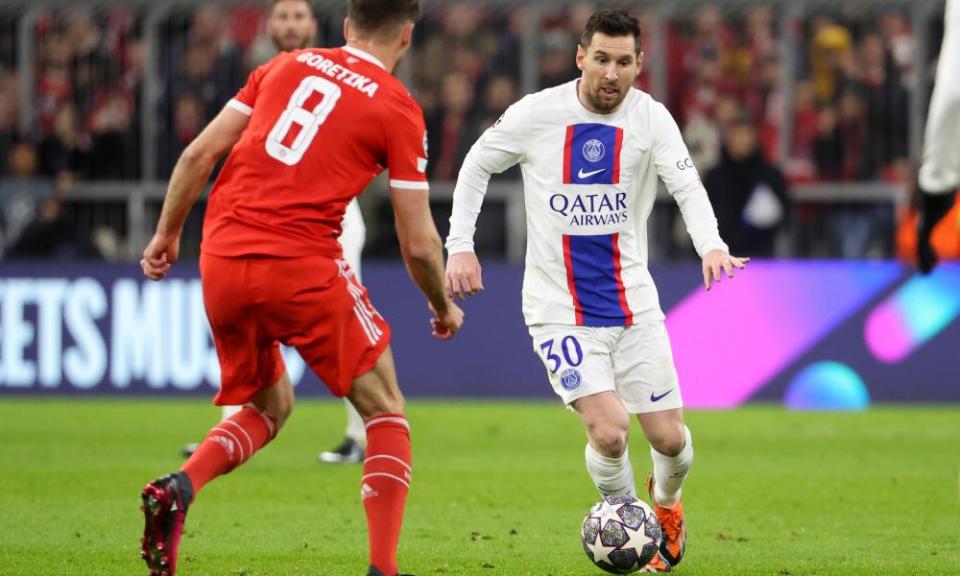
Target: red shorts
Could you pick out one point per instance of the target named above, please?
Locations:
(314, 304)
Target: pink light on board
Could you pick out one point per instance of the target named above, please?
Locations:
(887, 334)
(729, 342)
(914, 314)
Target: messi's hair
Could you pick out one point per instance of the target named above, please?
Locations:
(375, 16)
(611, 23)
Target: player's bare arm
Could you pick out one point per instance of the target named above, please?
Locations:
(464, 276)
(189, 176)
(716, 260)
(422, 253)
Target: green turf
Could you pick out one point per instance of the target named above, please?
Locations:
(499, 489)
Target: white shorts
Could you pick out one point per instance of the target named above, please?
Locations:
(636, 362)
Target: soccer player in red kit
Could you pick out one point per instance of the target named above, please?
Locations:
(306, 134)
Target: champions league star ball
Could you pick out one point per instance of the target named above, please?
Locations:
(621, 534)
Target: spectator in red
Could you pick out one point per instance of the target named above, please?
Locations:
(454, 128)
(852, 124)
(885, 107)
(801, 166)
(54, 82)
(701, 66)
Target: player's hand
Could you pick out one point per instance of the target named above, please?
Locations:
(447, 322)
(715, 261)
(159, 255)
(463, 275)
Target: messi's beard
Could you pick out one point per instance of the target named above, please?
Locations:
(595, 98)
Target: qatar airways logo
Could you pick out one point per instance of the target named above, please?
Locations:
(597, 209)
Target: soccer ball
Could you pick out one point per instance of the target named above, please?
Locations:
(621, 534)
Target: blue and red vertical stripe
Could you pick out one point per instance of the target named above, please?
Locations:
(591, 154)
(595, 282)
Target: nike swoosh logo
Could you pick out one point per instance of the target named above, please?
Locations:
(581, 174)
(655, 398)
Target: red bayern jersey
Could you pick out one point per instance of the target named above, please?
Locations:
(323, 124)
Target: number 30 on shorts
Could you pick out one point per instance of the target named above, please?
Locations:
(569, 348)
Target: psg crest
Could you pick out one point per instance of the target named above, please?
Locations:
(593, 150)
(570, 379)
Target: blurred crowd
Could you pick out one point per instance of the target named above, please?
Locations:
(847, 118)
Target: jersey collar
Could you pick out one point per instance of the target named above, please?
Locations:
(364, 56)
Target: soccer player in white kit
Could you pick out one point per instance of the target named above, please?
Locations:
(590, 152)
(351, 449)
(940, 171)
(293, 26)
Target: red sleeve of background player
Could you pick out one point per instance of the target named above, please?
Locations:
(247, 96)
(407, 146)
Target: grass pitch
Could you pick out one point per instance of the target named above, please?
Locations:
(499, 489)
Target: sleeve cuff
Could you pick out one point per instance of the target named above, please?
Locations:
(458, 245)
(410, 184)
(240, 107)
(715, 245)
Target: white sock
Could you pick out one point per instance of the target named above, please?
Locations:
(669, 472)
(229, 411)
(611, 476)
(355, 427)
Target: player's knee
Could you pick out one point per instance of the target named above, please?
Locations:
(611, 441)
(668, 441)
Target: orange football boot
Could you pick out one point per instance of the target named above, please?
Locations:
(658, 564)
(673, 526)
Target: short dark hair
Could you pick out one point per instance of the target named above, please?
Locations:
(309, 3)
(373, 16)
(612, 23)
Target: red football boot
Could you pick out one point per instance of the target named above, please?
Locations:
(165, 502)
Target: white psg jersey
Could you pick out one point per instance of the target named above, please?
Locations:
(590, 181)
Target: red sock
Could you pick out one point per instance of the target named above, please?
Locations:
(384, 486)
(228, 445)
